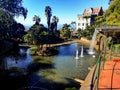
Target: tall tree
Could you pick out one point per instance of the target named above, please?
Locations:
(54, 23)
(36, 19)
(48, 13)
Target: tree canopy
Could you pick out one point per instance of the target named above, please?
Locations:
(9, 28)
(65, 31)
(113, 13)
(14, 7)
(6, 22)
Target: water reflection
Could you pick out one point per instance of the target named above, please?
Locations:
(20, 61)
(64, 67)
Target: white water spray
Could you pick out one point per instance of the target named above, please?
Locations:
(81, 55)
(76, 57)
(91, 49)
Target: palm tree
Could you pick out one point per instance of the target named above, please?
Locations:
(48, 14)
(55, 20)
(36, 19)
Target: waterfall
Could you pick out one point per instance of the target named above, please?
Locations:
(76, 57)
(81, 55)
(91, 49)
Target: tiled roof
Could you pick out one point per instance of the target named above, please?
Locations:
(87, 12)
(91, 11)
(96, 10)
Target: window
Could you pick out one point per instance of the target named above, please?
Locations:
(79, 18)
(78, 24)
(86, 24)
(83, 24)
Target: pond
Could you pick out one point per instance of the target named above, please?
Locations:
(65, 68)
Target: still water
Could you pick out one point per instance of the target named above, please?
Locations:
(60, 75)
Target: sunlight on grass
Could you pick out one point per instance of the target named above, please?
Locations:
(33, 47)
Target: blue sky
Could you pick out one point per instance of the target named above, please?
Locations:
(65, 10)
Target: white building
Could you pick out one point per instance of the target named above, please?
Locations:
(88, 16)
(82, 23)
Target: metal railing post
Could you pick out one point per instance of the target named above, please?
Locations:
(111, 49)
(95, 76)
(99, 63)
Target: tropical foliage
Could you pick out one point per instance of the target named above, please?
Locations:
(13, 7)
(36, 34)
(80, 33)
(36, 19)
(65, 32)
(113, 13)
(9, 28)
(6, 22)
(87, 33)
(99, 20)
(39, 34)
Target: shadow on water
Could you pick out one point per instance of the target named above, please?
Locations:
(13, 69)
(24, 83)
(46, 84)
(12, 83)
